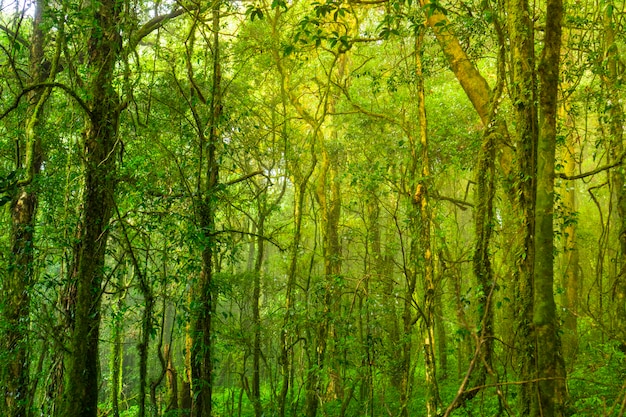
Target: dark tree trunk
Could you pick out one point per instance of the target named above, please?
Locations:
(204, 294)
(81, 382)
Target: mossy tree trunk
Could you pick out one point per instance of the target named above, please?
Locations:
(19, 278)
(522, 189)
(421, 198)
(204, 297)
(611, 80)
(101, 138)
(550, 372)
(571, 281)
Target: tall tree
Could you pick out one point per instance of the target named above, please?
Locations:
(203, 295)
(611, 75)
(21, 273)
(550, 372)
(421, 198)
(101, 145)
(523, 95)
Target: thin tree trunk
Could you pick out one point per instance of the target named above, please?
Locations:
(172, 381)
(421, 198)
(328, 194)
(616, 120)
(256, 315)
(146, 317)
(301, 181)
(549, 371)
(287, 339)
(117, 330)
(571, 276)
(204, 293)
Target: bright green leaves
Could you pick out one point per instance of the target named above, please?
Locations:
(334, 8)
(433, 7)
(321, 25)
(389, 26)
(335, 38)
(254, 11)
(279, 4)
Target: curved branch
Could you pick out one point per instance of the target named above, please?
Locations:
(32, 87)
(12, 64)
(152, 25)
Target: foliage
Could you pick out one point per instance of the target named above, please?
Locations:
(313, 231)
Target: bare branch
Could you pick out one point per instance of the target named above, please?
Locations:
(266, 238)
(617, 163)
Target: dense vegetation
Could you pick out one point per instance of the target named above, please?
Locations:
(312, 208)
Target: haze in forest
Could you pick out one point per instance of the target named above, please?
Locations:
(327, 208)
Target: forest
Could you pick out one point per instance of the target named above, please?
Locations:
(312, 208)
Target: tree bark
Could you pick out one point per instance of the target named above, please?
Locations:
(571, 276)
(117, 330)
(20, 275)
(421, 199)
(474, 84)
(204, 293)
(523, 94)
(611, 81)
(550, 373)
(101, 137)
(256, 314)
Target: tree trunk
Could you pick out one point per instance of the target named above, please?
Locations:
(522, 190)
(328, 194)
(256, 315)
(421, 199)
(117, 330)
(288, 337)
(571, 275)
(81, 388)
(611, 80)
(172, 381)
(19, 277)
(473, 83)
(549, 400)
(204, 293)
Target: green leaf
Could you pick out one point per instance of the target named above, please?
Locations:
(279, 3)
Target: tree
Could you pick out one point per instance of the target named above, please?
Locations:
(550, 369)
(101, 144)
(21, 273)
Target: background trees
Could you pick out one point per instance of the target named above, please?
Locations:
(312, 208)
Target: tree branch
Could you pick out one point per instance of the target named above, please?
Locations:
(15, 36)
(152, 25)
(617, 163)
(32, 87)
(243, 178)
(266, 238)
